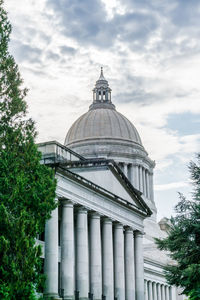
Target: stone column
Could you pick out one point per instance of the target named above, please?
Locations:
(119, 262)
(151, 187)
(107, 259)
(82, 264)
(95, 257)
(139, 266)
(167, 292)
(51, 255)
(172, 292)
(141, 179)
(155, 291)
(162, 292)
(126, 170)
(67, 249)
(135, 176)
(145, 290)
(159, 291)
(144, 182)
(129, 265)
(147, 182)
(150, 291)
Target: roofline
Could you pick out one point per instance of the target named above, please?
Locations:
(99, 189)
(110, 162)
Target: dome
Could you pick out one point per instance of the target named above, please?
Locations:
(103, 131)
(103, 123)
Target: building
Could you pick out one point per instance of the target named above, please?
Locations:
(99, 242)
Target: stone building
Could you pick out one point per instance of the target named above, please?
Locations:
(99, 241)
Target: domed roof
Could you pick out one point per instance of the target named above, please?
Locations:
(104, 123)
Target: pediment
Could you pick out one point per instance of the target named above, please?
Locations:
(109, 177)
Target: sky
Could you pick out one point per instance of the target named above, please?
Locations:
(150, 52)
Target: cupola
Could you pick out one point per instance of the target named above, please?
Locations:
(102, 94)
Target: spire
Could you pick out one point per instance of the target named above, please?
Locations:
(101, 75)
(102, 93)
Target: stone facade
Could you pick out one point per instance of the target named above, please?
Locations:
(99, 241)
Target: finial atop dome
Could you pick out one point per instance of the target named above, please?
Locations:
(101, 75)
(102, 93)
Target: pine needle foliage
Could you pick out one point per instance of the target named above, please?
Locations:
(27, 188)
(183, 241)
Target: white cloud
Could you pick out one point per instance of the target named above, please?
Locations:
(149, 50)
(170, 186)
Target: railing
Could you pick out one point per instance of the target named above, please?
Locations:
(54, 152)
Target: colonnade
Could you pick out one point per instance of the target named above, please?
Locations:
(141, 178)
(157, 291)
(98, 256)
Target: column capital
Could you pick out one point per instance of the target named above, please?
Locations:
(128, 230)
(107, 220)
(81, 210)
(94, 215)
(135, 164)
(66, 203)
(118, 225)
(138, 234)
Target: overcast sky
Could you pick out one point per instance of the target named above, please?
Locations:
(150, 51)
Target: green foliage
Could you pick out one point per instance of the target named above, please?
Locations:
(183, 241)
(27, 188)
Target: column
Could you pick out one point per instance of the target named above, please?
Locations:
(151, 187)
(167, 292)
(82, 265)
(150, 291)
(107, 259)
(139, 266)
(145, 290)
(147, 182)
(159, 291)
(67, 249)
(119, 262)
(162, 292)
(172, 292)
(129, 265)
(141, 179)
(51, 255)
(155, 291)
(95, 257)
(144, 181)
(126, 170)
(135, 178)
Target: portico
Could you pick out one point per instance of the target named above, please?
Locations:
(109, 245)
(100, 252)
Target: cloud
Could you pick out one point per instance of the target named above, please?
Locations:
(26, 53)
(172, 185)
(149, 51)
(67, 50)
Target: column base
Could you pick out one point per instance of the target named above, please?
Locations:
(52, 297)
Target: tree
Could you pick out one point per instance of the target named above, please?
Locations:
(183, 240)
(27, 188)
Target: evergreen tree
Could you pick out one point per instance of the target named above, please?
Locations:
(27, 188)
(183, 241)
